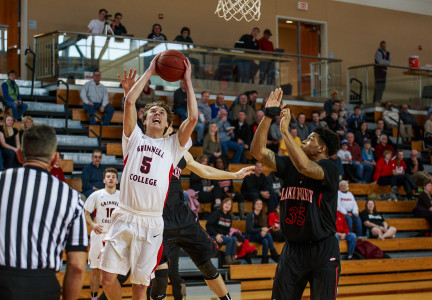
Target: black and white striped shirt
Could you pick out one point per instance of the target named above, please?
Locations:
(39, 217)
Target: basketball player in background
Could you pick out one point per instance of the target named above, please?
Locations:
(134, 238)
(307, 207)
(103, 202)
(182, 228)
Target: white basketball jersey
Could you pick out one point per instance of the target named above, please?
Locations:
(148, 165)
(104, 203)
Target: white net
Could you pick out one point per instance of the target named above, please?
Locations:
(239, 9)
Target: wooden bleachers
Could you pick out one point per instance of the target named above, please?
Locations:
(79, 114)
(108, 132)
(67, 165)
(75, 183)
(371, 188)
(114, 99)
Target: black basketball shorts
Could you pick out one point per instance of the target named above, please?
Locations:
(317, 263)
(193, 239)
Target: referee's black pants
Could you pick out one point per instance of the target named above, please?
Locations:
(20, 284)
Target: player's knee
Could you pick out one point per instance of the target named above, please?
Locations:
(208, 270)
(159, 284)
(108, 279)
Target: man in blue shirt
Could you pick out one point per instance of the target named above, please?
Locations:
(218, 105)
(226, 133)
(92, 174)
(13, 97)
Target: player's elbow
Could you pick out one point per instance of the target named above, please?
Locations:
(193, 118)
(256, 152)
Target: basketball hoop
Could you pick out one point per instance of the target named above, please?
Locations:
(239, 9)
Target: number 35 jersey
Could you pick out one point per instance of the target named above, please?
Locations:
(148, 166)
(104, 203)
(307, 206)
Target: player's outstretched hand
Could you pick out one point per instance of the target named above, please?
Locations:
(286, 119)
(152, 67)
(128, 81)
(245, 172)
(275, 98)
(188, 70)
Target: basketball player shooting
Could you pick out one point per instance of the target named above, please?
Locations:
(307, 207)
(134, 238)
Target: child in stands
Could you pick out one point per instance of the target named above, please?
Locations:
(244, 249)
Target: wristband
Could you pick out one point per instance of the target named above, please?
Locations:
(272, 112)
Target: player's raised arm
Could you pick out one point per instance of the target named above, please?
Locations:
(213, 173)
(298, 157)
(259, 143)
(188, 125)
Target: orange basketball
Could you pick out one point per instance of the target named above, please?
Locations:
(170, 65)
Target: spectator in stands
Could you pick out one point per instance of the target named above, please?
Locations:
(116, 26)
(382, 57)
(355, 120)
(218, 227)
(424, 203)
(225, 189)
(342, 121)
(180, 101)
(374, 223)
(302, 129)
(257, 231)
(184, 36)
(95, 97)
(156, 33)
(255, 186)
(415, 168)
(346, 158)
(242, 133)
(323, 117)
(381, 125)
(409, 119)
(391, 120)
(343, 233)
(226, 134)
(282, 147)
(204, 114)
(10, 142)
(328, 105)
(243, 105)
(333, 124)
(336, 159)
(382, 147)
(12, 96)
(98, 25)
(274, 184)
(244, 249)
(346, 114)
(367, 154)
(204, 187)
(57, 171)
(27, 122)
(92, 174)
(218, 104)
(347, 205)
(275, 133)
(315, 121)
(399, 167)
(252, 97)
(148, 95)
(212, 147)
(361, 134)
(336, 106)
(364, 170)
(274, 225)
(260, 116)
(428, 125)
(247, 41)
(267, 67)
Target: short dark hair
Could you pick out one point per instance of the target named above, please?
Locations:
(118, 14)
(239, 237)
(336, 101)
(301, 114)
(156, 24)
(357, 107)
(382, 42)
(103, 9)
(256, 28)
(96, 151)
(315, 112)
(164, 106)
(11, 72)
(330, 139)
(39, 142)
(110, 170)
(185, 29)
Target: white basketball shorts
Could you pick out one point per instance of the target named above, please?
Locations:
(133, 241)
(96, 245)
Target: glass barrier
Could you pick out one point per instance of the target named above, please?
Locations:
(380, 83)
(3, 48)
(228, 70)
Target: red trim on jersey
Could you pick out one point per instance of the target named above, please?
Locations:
(336, 283)
(319, 200)
(159, 256)
(214, 242)
(125, 161)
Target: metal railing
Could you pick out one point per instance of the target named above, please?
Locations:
(3, 48)
(63, 54)
(66, 102)
(379, 83)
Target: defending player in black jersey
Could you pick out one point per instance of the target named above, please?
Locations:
(307, 207)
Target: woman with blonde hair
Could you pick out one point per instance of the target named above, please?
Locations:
(212, 145)
(26, 123)
(10, 142)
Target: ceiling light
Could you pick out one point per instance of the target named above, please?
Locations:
(289, 22)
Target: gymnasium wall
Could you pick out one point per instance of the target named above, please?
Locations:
(353, 31)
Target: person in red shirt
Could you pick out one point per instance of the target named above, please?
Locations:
(244, 249)
(402, 178)
(382, 146)
(57, 171)
(343, 233)
(273, 222)
(267, 68)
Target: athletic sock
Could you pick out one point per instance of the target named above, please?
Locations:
(226, 297)
(94, 296)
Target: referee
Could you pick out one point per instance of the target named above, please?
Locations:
(40, 216)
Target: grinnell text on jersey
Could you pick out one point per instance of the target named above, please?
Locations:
(297, 193)
(153, 149)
